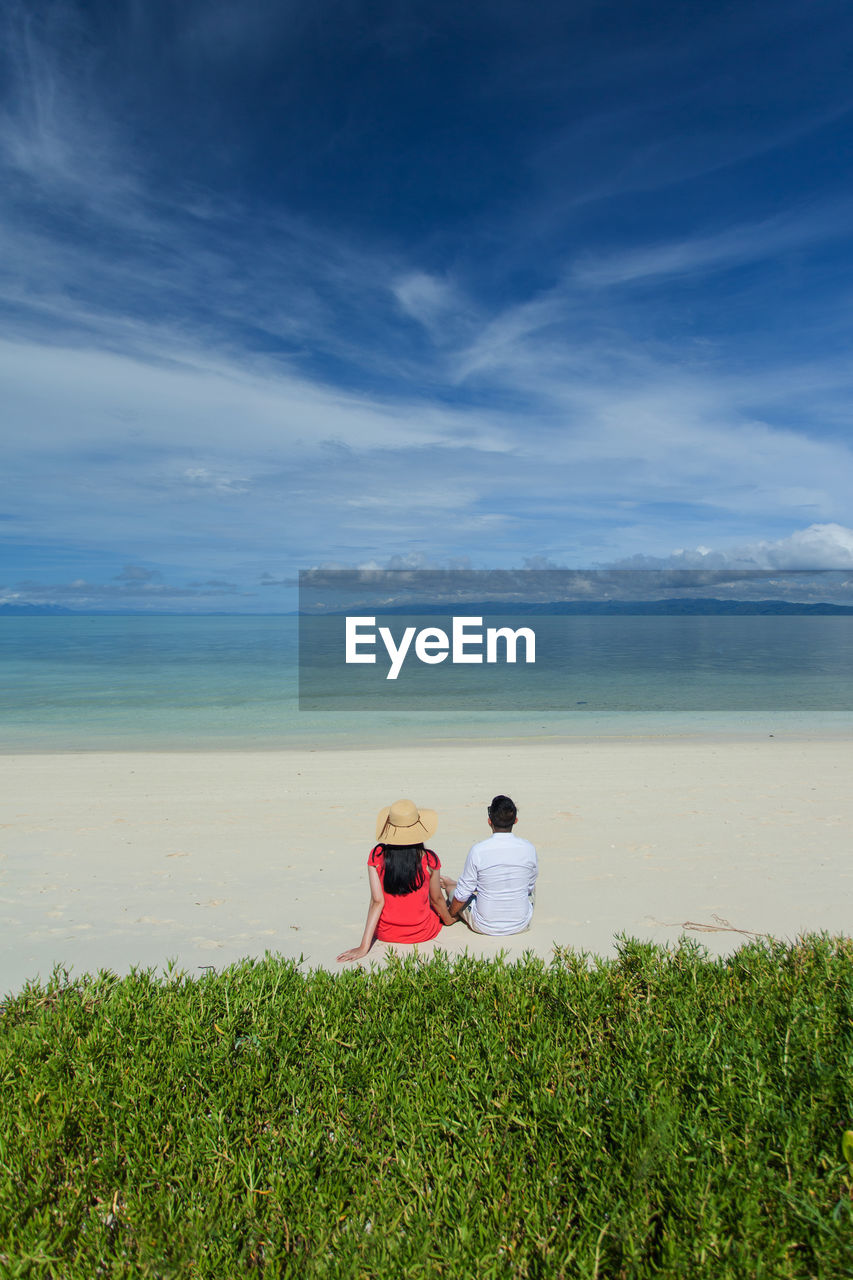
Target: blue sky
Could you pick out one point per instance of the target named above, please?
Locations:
(431, 284)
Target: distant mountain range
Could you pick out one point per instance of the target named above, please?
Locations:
(584, 608)
(623, 608)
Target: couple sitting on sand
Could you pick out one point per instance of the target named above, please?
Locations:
(494, 894)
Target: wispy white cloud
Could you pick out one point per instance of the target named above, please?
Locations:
(137, 575)
(56, 136)
(437, 305)
(750, 242)
(204, 478)
(122, 593)
(614, 168)
(679, 103)
(820, 546)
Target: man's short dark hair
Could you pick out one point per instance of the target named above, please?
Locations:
(502, 813)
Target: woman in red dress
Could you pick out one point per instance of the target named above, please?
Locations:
(407, 903)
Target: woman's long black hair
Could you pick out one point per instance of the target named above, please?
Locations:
(403, 868)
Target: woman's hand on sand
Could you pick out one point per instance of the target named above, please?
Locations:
(354, 953)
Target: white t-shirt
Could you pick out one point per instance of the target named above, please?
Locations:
(502, 871)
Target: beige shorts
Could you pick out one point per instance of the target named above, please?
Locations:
(465, 914)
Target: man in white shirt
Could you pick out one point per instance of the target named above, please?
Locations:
(494, 894)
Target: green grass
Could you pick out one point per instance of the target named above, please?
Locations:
(662, 1114)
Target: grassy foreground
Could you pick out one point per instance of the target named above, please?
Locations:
(662, 1114)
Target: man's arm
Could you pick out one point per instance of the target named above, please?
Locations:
(466, 886)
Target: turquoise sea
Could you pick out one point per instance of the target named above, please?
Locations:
(214, 683)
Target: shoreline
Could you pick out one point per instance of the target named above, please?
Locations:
(122, 858)
(784, 726)
(433, 745)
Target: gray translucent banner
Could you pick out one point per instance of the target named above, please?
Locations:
(560, 640)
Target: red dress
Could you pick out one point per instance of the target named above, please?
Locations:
(408, 917)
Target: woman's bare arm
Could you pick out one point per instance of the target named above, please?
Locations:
(374, 911)
(437, 898)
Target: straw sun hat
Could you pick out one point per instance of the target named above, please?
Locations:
(403, 823)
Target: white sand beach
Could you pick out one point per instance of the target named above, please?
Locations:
(110, 860)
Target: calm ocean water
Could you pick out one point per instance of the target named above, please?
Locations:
(86, 683)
